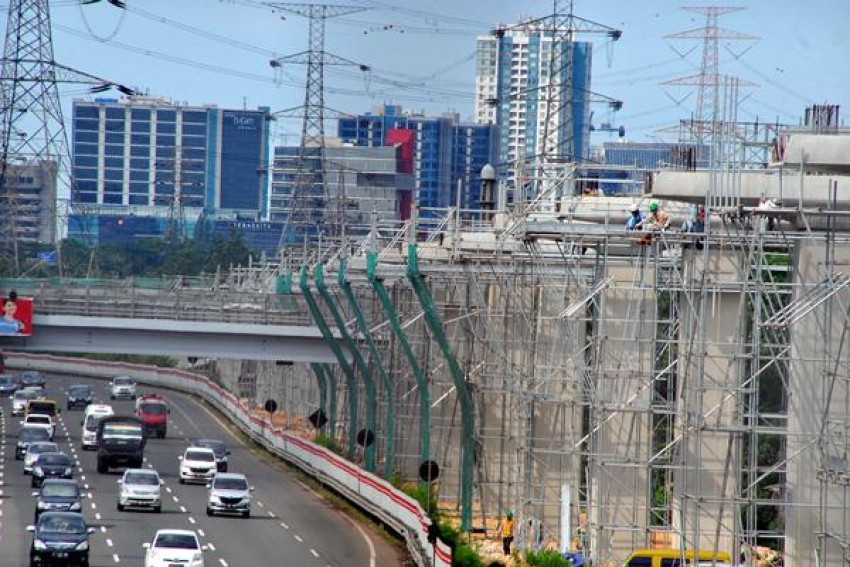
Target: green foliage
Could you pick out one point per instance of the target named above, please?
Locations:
(465, 556)
(546, 558)
(425, 496)
(329, 442)
(155, 257)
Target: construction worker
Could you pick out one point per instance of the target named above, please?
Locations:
(635, 218)
(655, 220)
(507, 532)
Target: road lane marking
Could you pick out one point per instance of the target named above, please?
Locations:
(201, 533)
(211, 546)
(109, 542)
(183, 509)
(314, 552)
(191, 520)
(284, 526)
(97, 516)
(116, 558)
(298, 538)
(223, 562)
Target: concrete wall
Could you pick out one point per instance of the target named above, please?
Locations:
(706, 477)
(819, 422)
(621, 416)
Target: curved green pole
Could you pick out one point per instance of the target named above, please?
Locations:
(368, 383)
(324, 375)
(330, 340)
(379, 364)
(432, 318)
(322, 381)
(418, 374)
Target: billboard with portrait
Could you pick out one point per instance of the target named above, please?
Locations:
(16, 318)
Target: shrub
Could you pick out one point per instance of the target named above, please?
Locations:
(546, 558)
(329, 442)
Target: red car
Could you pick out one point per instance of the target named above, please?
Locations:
(153, 411)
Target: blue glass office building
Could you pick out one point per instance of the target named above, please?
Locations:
(446, 153)
(140, 156)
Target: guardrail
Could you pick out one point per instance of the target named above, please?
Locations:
(368, 491)
(124, 299)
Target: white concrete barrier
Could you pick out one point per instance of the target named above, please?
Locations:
(372, 493)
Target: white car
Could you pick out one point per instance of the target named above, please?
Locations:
(94, 413)
(174, 547)
(40, 420)
(197, 464)
(140, 488)
(229, 493)
(34, 450)
(20, 399)
(122, 387)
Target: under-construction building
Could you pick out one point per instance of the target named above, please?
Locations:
(689, 392)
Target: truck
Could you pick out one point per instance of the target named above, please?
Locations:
(120, 441)
(153, 411)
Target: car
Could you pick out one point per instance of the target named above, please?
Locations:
(20, 400)
(94, 413)
(34, 450)
(174, 547)
(9, 384)
(33, 378)
(28, 435)
(197, 464)
(51, 465)
(79, 396)
(219, 448)
(61, 538)
(58, 494)
(122, 387)
(40, 420)
(229, 493)
(140, 488)
(37, 390)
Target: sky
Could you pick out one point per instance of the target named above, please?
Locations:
(421, 55)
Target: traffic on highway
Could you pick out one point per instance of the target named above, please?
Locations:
(200, 497)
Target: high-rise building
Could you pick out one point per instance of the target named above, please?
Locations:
(447, 156)
(513, 70)
(360, 184)
(34, 197)
(149, 157)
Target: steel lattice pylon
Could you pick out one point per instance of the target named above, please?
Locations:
(35, 154)
(307, 199)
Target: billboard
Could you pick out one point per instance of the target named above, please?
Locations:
(17, 316)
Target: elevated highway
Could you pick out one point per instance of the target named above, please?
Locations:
(120, 317)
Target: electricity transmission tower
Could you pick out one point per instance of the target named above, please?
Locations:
(562, 93)
(307, 197)
(34, 156)
(709, 81)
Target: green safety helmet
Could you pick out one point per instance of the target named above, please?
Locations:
(509, 514)
(653, 207)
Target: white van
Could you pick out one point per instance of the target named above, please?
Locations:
(94, 413)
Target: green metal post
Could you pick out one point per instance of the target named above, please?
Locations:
(418, 374)
(435, 324)
(368, 383)
(322, 381)
(379, 364)
(330, 340)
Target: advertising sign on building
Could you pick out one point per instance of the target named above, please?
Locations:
(17, 316)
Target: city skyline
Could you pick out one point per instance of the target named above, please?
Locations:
(423, 59)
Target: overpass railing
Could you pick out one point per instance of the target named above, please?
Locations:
(176, 299)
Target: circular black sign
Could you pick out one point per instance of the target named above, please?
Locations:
(365, 437)
(270, 406)
(429, 471)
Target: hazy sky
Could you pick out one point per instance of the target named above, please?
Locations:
(421, 53)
